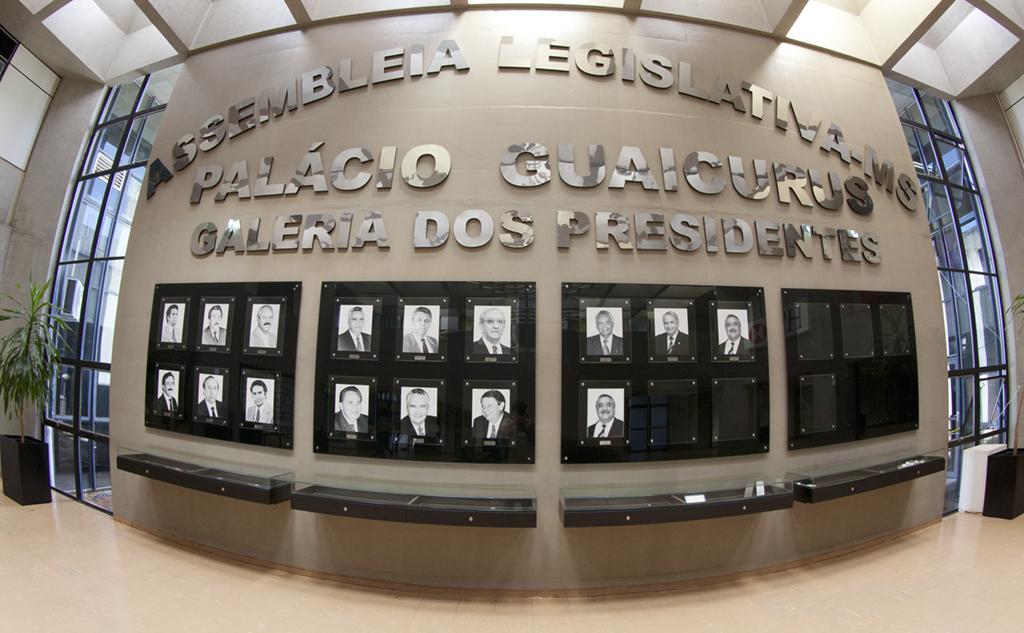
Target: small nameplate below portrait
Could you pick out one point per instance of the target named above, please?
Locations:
(491, 359)
(419, 358)
(672, 359)
(605, 443)
(353, 357)
(695, 498)
(490, 443)
(351, 436)
(606, 359)
(417, 440)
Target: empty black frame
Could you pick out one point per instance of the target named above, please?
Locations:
(231, 360)
(649, 434)
(460, 365)
(871, 392)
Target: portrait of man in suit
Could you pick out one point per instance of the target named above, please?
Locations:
(215, 333)
(494, 421)
(210, 403)
(418, 338)
(605, 342)
(172, 325)
(605, 425)
(260, 409)
(166, 403)
(264, 330)
(353, 338)
(349, 416)
(492, 326)
(672, 341)
(417, 421)
(734, 343)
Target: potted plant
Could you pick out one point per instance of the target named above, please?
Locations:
(1004, 483)
(28, 358)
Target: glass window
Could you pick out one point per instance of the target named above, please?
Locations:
(94, 401)
(936, 200)
(954, 463)
(906, 103)
(953, 159)
(94, 472)
(68, 295)
(159, 87)
(993, 403)
(921, 152)
(960, 345)
(140, 139)
(988, 319)
(939, 117)
(961, 407)
(104, 148)
(119, 213)
(62, 460)
(98, 329)
(121, 100)
(81, 228)
(61, 395)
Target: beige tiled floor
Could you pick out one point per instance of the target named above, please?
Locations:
(64, 567)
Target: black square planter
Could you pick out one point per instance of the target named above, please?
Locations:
(25, 469)
(1004, 485)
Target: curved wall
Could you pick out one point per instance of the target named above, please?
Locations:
(476, 115)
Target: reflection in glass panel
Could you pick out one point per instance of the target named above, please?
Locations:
(906, 104)
(119, 213)
(814, 331)
(895, 333)
(673, 412)
(62, 460)
(94, 401)
(82, 220)
(105, 142)
(121, 100)
(939, 118)
(959, 342)
(817, 403)
(953, 159)
(998, 438)
(61, 395)
(734, 409)
(993, 403)
(858, 331)
(954, 459)
(921, 152)
(987, 320)
(94, 471)
(101, 309)
(936, 201)
(140, 139)
(158, 89)
(68, 294)
(961, 407)
(972, 228)
(948, 247)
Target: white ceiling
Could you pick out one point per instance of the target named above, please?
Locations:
(956, 48)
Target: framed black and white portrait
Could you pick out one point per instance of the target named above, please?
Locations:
(357, 328)
(671, 332)
(352, 414)
(173, 330)
(420, 411)
(260, 391)
(605, 330)
(264, 326)
(422, 336)
(488, 407)
(604, 412)
(166, 398)
(732, 330)
(492, 330)
(215, 324)
(209, 396)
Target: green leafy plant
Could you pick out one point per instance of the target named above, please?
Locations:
(29, 353)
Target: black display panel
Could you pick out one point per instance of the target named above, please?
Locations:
(222, 361)
(433, 371)
(860, 384)
(657, 372)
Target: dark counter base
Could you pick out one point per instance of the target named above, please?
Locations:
(409, 508)
(669, 508)
(845, 484)
(194, 477)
